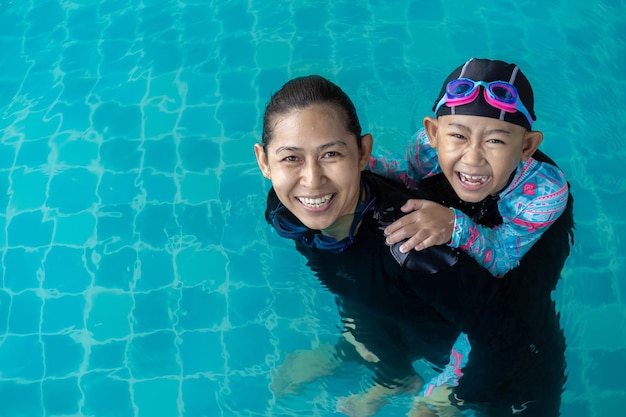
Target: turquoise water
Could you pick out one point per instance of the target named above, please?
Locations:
(138, 275)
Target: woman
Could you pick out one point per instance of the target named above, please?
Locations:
(313, 152)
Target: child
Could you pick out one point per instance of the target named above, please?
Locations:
(483, 143)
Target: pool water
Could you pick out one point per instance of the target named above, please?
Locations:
(138, 275)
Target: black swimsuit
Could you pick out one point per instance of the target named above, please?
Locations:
(417, 310)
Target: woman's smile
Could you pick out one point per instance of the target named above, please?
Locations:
(317, 202)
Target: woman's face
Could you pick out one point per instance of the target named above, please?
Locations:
(315, 165)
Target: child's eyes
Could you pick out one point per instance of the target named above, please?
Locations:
(460, 136)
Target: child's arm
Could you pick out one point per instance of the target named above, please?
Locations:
(500, 249)
(419, 162)
(525, 214)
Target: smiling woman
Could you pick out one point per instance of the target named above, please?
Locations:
(315, 157)
(314, 154)
(396, 308)
(317, 180)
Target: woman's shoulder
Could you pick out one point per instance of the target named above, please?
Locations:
(387, 192)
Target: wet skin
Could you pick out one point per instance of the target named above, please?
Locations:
(315, 167)
(478, 154)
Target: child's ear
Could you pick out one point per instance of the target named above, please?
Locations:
(430, 126)
(532, 140)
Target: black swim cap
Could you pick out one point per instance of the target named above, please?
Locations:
(490, 70)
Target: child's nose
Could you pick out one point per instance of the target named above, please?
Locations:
(473, 155)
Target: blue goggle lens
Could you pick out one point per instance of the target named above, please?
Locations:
(504, 93)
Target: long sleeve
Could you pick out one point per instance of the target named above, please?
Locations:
(533, 201)
(419, 162)
(453, 371)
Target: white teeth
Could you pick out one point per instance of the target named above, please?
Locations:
(474, 179)
(315, 202)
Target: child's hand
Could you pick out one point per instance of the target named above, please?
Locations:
(430, 224)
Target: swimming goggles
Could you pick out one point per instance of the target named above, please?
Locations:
(498, 94)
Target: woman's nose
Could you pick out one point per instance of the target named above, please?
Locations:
(312, 174)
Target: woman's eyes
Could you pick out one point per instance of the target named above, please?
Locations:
(291, 158)
(297, 159)
(331, 154)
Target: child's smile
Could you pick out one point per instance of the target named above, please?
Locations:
(473, 182)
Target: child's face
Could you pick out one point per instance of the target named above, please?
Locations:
(315, 165)
(478, 154)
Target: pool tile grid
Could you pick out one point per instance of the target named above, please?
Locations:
(133, 245)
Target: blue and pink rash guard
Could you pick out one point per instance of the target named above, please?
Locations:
(534, 199)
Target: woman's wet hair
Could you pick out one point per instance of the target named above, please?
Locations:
(302, 92)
